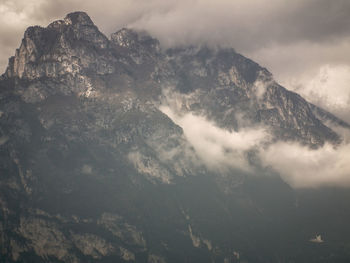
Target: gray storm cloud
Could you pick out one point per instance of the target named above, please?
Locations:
(247, 25)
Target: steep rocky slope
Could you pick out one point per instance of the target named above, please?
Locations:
(91, 169)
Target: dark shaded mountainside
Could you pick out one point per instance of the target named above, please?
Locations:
(84, 170)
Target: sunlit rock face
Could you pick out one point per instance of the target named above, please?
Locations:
(93, 169)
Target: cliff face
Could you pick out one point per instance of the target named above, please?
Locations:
(92, 171)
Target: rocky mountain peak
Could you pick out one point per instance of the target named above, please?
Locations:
(58, 48)
(74, 56)
(78, 18)
(140, 43)
(125, 37)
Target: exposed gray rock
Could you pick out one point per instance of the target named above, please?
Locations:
(91, 245)
(121, 229)
(44, 238)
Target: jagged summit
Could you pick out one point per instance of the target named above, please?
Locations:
(75, 57)
(128, 36)
(125, 37)
(78, 17)
(51, 51)
(75, 19)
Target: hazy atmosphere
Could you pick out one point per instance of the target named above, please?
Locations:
(223, 135)
(305, 44)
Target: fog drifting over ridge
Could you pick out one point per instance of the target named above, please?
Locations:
(302, 167)
(298, 165)
(218, 148)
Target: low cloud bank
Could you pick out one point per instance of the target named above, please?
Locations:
(301, 166)
(298, 165)
(218, 148)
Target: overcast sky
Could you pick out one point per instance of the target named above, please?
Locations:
(304, 43)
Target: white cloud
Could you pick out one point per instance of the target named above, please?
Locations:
(218, 148)
(221, 150)
(301, 166)
(329, 88)
(298, 165)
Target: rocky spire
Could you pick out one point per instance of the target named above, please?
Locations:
(43, 50)
(80, 18)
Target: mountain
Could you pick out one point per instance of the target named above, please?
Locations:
(93, 169)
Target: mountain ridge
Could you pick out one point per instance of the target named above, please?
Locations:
(102, 65)
(92, 170)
